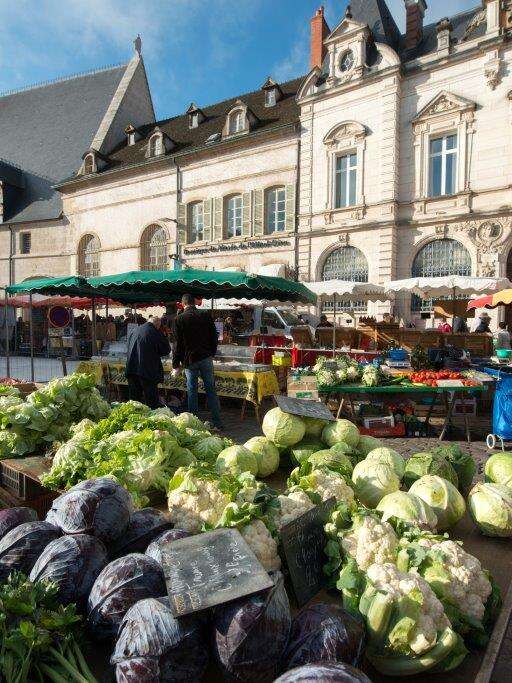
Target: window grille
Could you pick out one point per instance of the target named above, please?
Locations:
(25, 242)
(437, 259)
(89, 256)
(346, 263)
(154, 248)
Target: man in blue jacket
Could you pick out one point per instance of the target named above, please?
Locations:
(144, 370)
(196, 345)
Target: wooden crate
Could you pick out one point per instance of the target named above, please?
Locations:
(41, 504)
(20, 476)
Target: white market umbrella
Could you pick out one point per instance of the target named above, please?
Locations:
(345, 289)
(448, 285)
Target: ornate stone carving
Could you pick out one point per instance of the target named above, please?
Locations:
(442, 230)
(328, 217)
(343, 238)
(443, 104)
(357, 214)
(492, 71)
(487, 269)
(474, 24)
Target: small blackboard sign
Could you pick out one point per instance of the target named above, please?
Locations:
(210, 569)
(303, 541)
(304, 407)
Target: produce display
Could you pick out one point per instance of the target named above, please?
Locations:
(410, 598)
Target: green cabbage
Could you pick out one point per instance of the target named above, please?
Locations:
(266, 454)
(187, 420)
(498, 469)
(373, 480)
(367, 444)
(462, 462)
(314, 426)
(490, 506)
(282, 428)
(337, 462)
(208, 449)
(390, 457)
(409, 508)
(341, 430)
(424, 463)
(443, 498)
(301, 451)
(235, 460)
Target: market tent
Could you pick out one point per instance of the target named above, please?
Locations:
(344, 289)
(68, 286)
(503, 298)
(432, 287)
(169, 285)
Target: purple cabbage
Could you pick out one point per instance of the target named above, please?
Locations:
(324, 673)
(13, 517)
(154, 646)
(250, 634)
(73, 563)
(98, 507)
(20, 547)
(154, 549)
(145, 525)
(324, 633)
(120, 585)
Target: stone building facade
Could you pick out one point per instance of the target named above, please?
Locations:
(392, 157)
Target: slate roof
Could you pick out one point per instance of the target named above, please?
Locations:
(186, 139)
(376, 14)
(44, 130)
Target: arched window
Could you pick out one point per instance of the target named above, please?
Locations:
(89, 256)
(346, 263)
(236, 122)
(436, 259)
(234, 216)
(275, 210)
(153, 248)
(195, 222)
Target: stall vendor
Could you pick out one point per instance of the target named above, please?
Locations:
(144, 371)
(502, 337)
(483, 324)
(324, 322)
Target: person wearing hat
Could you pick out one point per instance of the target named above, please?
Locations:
(483, 325)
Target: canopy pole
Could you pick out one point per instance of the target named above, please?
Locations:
(453, 316)
(6, 322)
(94, 344)
(334, 325)
(31, 332)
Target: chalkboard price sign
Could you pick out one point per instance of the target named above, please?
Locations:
(210, 569)
(303, 541)
(304, 407)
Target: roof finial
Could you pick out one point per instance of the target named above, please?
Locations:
(138, 44)
(348, 12)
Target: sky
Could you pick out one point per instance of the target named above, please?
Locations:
(194, 50)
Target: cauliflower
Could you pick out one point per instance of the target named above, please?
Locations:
(457, 577)
(400, 586)
(260, 540)
(292, 505)
(195, 501)
(370, 542)
(326, 484)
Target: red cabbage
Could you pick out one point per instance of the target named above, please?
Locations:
(250, 634)
(21, 546)
(324, 673)
(98, 507)
(13, 517)
(154, 646)
(145, 525)
(154, 549)
(324, 633)
(120, 585)
(73, 563)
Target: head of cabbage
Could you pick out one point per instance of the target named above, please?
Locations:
(490, 506)
(282, 428)
(420, 464)
(209, 448)
(390, 457)
(337, 462)
(367, 444)
(442, 496)
(266, 454)
(409, 508)
(235, 460)
(373, 480)
(341, 430)
(498, 469)
(184, 420)
(314, 426)
(301, 451)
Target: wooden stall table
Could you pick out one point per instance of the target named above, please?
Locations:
(251, 386)
(447, 395)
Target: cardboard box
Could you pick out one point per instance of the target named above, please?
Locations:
(466, 407)
(305, 387)
(381, 422)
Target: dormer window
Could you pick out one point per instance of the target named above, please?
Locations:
(236, 122)
(89, 164)
(195, 116)
(194, 120)
(158, 143)
(155, 143)
(272, 92)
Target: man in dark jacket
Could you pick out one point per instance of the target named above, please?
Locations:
(144, 370)
(196, 345)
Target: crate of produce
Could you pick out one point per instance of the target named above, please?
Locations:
(41, 504)
(20, 476)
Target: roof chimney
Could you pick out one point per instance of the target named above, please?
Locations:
(414, 22)
(319, 32)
